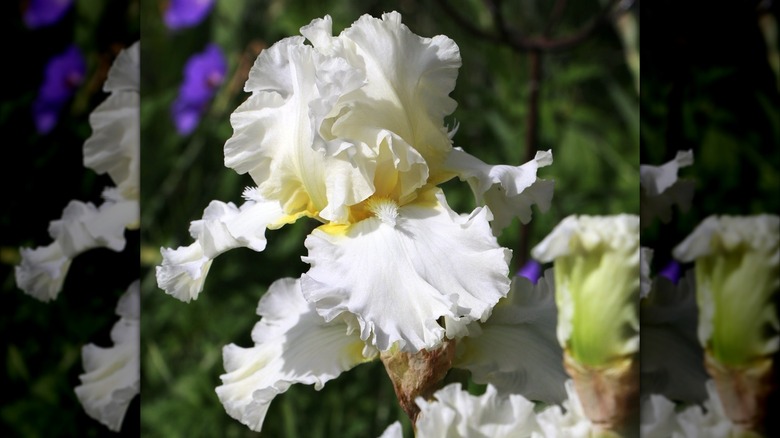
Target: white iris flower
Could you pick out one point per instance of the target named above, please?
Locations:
(349, 130)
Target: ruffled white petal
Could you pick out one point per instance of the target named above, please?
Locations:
(516, 349)
(223, 227)
(362, 113)
(657, 179)
(114, 148)
(568, 420)
(396, 271)
(658, 418)
(42, 271)
(408, 81)
(709, 420)
(509, 191)
(294, 87)
(82, 227)
(293, 344)
(113, 375)
(661, 188)
(115, 143)
(456, 413)
(731, 233)
(183, 271)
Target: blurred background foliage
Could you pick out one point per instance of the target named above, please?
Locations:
(587, 113)
(710, 84)
(40, 343)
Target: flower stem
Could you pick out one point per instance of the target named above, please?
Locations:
(417, 374)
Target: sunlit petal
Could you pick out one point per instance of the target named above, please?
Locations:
(456, 413)
(509, 191)
(394, 271)
(223, 227)
(293, 344)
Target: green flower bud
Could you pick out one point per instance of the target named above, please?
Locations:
(597, 286)
(737, 278)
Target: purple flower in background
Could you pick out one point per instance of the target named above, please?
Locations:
(64, 73)
(532, 270)
(186, 13)
(672, 271)
(203, 73)
(40, 13)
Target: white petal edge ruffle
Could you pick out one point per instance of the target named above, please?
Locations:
(509, 191)
(223, 227)
(112, 376)
(454, 412)
(395, 272)
(293, 344)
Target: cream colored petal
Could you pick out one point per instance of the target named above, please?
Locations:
(408, 81)
(658, 418)
(276, 131)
